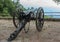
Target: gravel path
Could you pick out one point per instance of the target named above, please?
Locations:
(50, 32)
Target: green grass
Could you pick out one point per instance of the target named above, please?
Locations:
(47, 17)
(8, 16)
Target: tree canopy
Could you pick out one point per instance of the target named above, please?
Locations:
(8, 6)
(57, 1)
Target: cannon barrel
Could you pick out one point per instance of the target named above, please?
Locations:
(17, 31)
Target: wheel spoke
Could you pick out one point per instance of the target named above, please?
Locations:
(26, 29)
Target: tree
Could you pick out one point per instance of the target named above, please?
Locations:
(1, 6)
(18, 5)
(57, 1)
(10, 6)
(32, 7)
(28, 8)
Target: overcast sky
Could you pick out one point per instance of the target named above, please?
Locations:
(48, 5)
(38, 3)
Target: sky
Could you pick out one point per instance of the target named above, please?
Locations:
(48, 5)
(38, 3)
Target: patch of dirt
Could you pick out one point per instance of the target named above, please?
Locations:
(49, 33)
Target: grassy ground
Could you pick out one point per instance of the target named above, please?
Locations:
(49, 33)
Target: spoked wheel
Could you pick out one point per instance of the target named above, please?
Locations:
(15, 20)
(39, 19)
(27, 26)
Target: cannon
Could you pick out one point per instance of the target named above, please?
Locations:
(22, 18)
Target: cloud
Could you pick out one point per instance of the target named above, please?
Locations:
(38, 3)
(29, 3)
